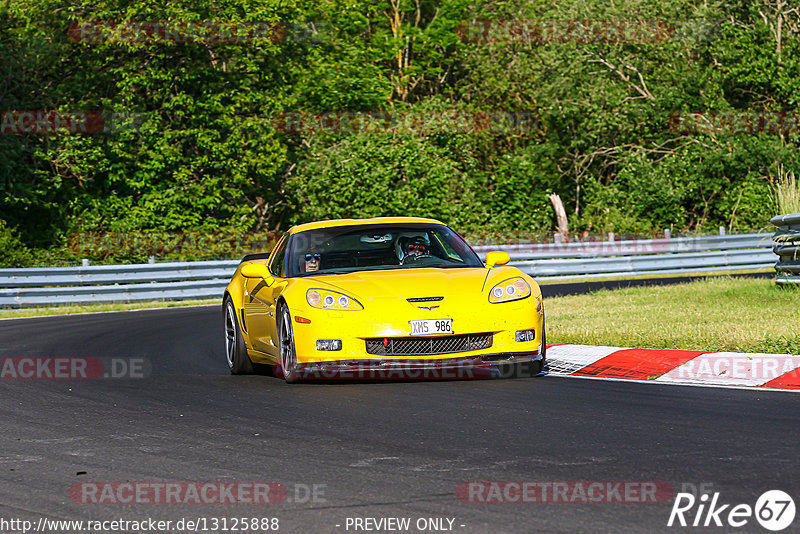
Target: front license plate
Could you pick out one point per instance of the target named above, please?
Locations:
(430, 327)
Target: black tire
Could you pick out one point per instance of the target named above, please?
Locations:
(235, 350)
(542, 364)
(286, 348)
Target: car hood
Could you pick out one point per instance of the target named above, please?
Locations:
(415, 283)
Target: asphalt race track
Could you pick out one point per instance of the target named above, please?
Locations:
(380, 449)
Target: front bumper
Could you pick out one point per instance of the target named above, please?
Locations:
(498, 365)
(355, 329)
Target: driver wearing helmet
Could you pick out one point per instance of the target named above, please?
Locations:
(413, 246)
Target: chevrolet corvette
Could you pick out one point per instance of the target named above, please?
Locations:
(391, 297)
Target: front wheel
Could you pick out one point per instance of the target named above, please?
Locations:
(235, 351)
(542, 364)
(286, 345)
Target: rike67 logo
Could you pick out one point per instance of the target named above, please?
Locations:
(774, 510)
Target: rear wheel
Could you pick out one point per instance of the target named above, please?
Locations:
(286, 345)
(235, 351)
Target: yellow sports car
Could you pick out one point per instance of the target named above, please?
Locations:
(398, 297)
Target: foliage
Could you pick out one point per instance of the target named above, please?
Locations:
(205, 152)
(369, 176)
(12, 252)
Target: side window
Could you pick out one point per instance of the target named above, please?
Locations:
(276, 266)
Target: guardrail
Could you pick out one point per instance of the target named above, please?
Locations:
(114, 283)
(544, 261)
(631, 247)
(645, 257)
(787, 247)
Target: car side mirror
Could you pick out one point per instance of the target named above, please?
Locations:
(255, 270)
(496, 258)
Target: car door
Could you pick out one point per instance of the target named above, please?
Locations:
(260, 302)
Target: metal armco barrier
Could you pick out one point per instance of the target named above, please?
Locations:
(544, 261)
(633, 247)
(114, 283)
(787, 247)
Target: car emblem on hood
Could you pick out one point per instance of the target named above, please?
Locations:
(425, 299)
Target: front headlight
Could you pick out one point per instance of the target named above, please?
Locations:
(512, 289)
(331, 300)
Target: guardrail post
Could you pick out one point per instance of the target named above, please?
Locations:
(721, 230)
(666, 233)
(85, 262)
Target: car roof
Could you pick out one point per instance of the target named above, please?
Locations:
(360, 222)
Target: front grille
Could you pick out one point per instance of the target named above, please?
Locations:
(425, 299)
(414, 346)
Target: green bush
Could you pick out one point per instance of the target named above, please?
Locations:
(375, 175)
(12, 252)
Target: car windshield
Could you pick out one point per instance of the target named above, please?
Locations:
(344, 249)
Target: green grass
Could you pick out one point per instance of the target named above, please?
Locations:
(95, 308)
(731, 314)
(787, 192)
(579, 278)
